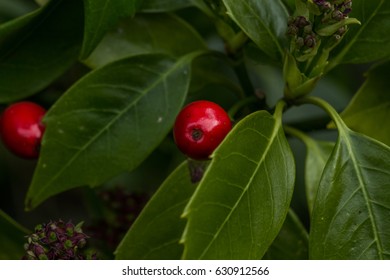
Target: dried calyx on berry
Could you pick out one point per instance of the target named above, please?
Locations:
(57, 241)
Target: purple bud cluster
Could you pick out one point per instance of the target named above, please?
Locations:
(57, 241)
(301, 29)
(336, 10)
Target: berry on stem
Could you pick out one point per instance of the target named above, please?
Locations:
(200, 127)
(21, 128)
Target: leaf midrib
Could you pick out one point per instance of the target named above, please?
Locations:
(98, 134)
(345, 135)
(262, 159)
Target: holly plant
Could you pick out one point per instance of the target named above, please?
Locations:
(195, 129)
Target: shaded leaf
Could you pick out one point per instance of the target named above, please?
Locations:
(146, 34)
(109, 122)
(318, 153)
(214, 70)
(242, 201)
(369, 41)
(264, 21)
(292, 242)
(157, 230)
(15, 8)
(38, 48)
(12, 238)
(101, 16)
(351, 212)
(370, 104)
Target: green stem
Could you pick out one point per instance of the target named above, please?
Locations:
(279, 109)
(237, 42)
(326, 107)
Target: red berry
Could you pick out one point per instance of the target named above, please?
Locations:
(21, 128)
(200, 127)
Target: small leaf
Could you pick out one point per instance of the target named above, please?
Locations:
(264, 21)
(370, 104)
(292, 242)
(101, 16)
(351, 212)
(38, 48)
(12, 238)
(371, 40)
(156, 233)
(146, 33)
(242, 201)
(109, 122)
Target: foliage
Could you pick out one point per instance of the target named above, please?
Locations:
(115, 74)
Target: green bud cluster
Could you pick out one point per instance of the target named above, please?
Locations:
(304, 41)
(319, 20)
(57, 241)
(316, 28)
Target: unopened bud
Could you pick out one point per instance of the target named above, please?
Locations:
(310, 41)
(338, 15)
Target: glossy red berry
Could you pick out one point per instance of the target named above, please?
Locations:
(200, 127)
(21, 128)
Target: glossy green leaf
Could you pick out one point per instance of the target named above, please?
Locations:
(351, 212)
(157, 231)
(12, 238)
(39, 47)
(292, 242)
(370, 108)
(146, 33)
(240, 205)
(264, 21)
(369, 41)
(109, 122)
(101, 16)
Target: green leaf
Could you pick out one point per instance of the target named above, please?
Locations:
(12, 238)
(292, 242)
(15, 8)
(264, 21)
(351, 212)
(156, 233)
(214, 70)
(318, 153)
(371, 104)
(371, 40)
(109, 122)
(146, 33)
(38, 48)
(101, 16)
(242, 201)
